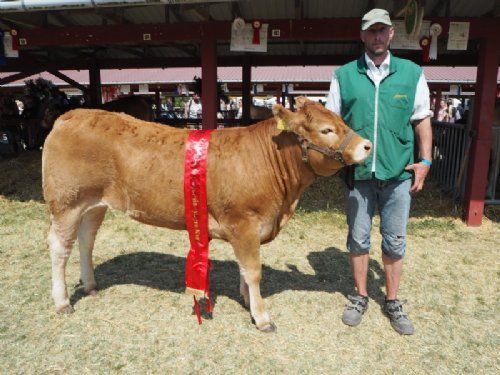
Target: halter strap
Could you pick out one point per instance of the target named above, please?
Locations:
(335, 154)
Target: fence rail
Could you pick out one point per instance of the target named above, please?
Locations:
(449, 156)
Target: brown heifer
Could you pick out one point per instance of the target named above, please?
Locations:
(95, 159)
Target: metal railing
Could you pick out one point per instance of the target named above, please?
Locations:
(449, 154)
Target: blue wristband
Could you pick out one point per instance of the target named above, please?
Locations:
(426, 162)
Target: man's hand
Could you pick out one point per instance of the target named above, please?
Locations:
(420, 171)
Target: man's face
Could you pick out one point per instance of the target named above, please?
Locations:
(377, 38)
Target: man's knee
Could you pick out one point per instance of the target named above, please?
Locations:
(394, 246)
(358, 245)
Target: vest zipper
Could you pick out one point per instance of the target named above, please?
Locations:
(375, 129)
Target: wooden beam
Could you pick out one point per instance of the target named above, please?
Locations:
(18, 24)
(235, 9)
(299, 10)
(69, 80)
(436, 10)
(210, 101)
(18, 76)
(61, 17)
(291, 30)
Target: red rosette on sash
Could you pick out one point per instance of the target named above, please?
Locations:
(425, 44)
(196, 215)
(256, 25)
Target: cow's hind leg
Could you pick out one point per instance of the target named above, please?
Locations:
(244, 289)
(89, 225)
(62, 235)
(247, 250)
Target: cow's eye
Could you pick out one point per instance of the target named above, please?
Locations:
(326, 131)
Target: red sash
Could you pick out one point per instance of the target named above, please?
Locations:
(196, 214)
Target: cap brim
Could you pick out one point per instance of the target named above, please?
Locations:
(373, 22)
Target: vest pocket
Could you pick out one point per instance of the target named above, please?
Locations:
(399, 101)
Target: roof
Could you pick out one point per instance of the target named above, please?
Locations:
(44, 18)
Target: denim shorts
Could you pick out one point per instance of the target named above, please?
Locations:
(393, 201)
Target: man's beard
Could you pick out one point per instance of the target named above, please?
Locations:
(378, 51)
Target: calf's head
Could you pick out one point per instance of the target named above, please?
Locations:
(327, 142)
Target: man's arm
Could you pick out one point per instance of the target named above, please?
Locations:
(333, 101)
(423, 136)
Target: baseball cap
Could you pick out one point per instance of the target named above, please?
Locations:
(375, 16)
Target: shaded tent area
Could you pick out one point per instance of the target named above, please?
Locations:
(56, 36)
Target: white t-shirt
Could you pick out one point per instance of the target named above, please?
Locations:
(194, 109)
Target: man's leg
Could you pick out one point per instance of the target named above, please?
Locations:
(360, 209)
(359, 265)
(394, 211)
(393, 269)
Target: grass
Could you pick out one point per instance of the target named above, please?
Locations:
(141, 320)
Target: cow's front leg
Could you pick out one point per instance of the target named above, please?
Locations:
(247, 250)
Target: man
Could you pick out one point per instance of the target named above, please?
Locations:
(384, 99)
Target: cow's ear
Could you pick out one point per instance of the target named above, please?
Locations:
(301, 101)
(285, 119)
(282, 116)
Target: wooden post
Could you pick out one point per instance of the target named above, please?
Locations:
(95, 85)
(158, 103)
(484, 103)
(437, 103)
(246, 88)
(209, 99)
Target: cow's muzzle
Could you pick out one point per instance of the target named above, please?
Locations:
(334, 154)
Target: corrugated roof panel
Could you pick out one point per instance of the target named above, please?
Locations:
(234, 74)
(331, 9)
(221, 12)
(146, 14)
(87, 17)
(265, 9)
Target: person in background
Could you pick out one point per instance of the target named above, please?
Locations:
(386, 100)
(443, 111)
(192, 108)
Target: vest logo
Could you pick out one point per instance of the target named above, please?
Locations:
(400, 96)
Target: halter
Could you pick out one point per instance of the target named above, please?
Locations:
(337, 154)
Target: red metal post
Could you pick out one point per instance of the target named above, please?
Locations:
(246, 87)
(482, 122)
(209, 99)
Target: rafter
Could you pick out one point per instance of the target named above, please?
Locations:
(299, 9)
(61, 17)
(67, 79)
(235, 9)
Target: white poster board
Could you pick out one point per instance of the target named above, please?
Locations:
(241, 39)
(458, 36)
(402, 40)
(8, 49)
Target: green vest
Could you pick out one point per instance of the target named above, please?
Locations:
(396, 95)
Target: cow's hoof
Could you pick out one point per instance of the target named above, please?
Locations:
(268, 328)
(65, 310)
(92, 292)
